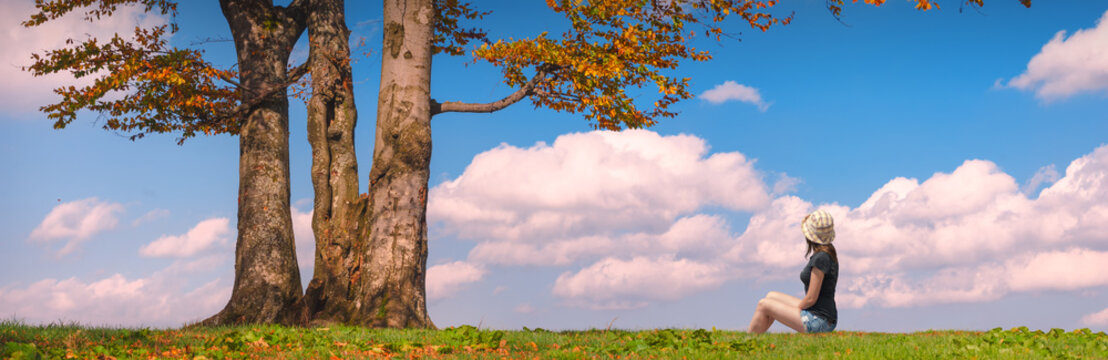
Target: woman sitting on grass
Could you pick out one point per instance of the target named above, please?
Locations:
(816, 311)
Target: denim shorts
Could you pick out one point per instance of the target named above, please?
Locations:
(814, 323)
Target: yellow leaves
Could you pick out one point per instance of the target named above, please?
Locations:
(165, 89)
(925, 5)
(615, 45)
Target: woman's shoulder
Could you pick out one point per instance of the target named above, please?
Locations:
(822, 259)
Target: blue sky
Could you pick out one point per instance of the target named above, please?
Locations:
(962, 154)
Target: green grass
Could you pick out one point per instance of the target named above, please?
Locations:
(466, 342)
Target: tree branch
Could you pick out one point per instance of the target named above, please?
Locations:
(525, 90)
(242, 109)
(296, 73)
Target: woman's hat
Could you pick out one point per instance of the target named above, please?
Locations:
(819, 227)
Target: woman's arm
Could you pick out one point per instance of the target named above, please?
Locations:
(814, 284)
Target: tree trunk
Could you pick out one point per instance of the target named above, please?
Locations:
(371, 250)
(339, 215)
(267, 279)
(392, 289)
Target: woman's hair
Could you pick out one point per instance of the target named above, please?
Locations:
(829, 249)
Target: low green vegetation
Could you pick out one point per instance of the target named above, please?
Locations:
(467, 342)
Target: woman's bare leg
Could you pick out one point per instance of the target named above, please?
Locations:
(785, 298)
(770, 310)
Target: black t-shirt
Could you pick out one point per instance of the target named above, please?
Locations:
(825, 303)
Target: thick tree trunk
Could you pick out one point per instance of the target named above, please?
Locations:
(267, 280)
(392, 276)
(339, 216)
(371, 250)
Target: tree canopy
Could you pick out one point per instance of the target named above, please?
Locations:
(143, 85)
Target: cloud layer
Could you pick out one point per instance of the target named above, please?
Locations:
(590, 196)
(77, 221)
(730, 90)
(1067, 66)
(159, 300)
(446, 279)
(613, 283)
(162, 299)
(589, 183)
(633, 218)
(207, 234)
(966, 236)
(627, 215)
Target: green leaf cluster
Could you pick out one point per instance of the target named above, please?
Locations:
(624, 343)
(20, 351)
(1056, 343)
(472, 337)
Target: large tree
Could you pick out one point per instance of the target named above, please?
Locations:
(166, 89)
(371, 249)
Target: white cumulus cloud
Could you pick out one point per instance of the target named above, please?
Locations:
(627, 214)
(23, 94)
(205, 235)
(1057, 270)
(964, 236)
(591, 184)
(627, 284)
(305, 239)
(730, 90)
(1097, 318)
(446, 279)
(697, 236)
(77, 221)
(1067, 66)
(159, 300)
(1068, 270)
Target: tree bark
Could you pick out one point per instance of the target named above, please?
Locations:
(392, 277)
(267, 280)
(371, 249)
(340, 213)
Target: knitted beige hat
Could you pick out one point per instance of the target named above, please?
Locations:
(819, 227)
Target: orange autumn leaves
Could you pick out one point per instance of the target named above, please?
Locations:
(836, 6)
(615, 45)
(619, 44)
(141, 84)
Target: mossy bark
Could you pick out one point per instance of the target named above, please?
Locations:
(340, 212)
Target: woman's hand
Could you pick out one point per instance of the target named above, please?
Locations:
(814, 284)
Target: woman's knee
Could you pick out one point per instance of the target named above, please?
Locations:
(763, 305)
